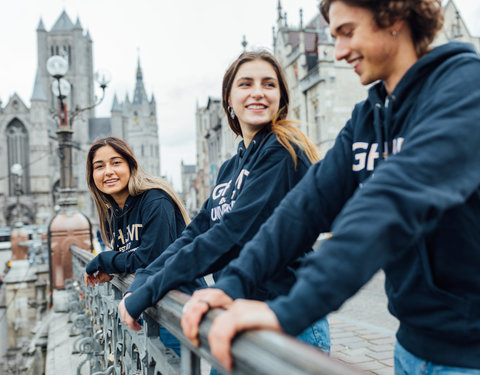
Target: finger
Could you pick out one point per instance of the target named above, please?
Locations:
(121, 310)
(136, 326)
(191, 319)
(220, 339)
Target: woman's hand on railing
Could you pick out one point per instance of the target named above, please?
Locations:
(198, 305)
(241, 315)
(125, 316)
(98, 277)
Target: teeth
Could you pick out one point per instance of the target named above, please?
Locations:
(256, 106)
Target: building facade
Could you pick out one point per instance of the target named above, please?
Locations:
(323, 91)
(28, 132)
(215, 143)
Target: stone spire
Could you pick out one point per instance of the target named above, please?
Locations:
(38, 93)
(140, 94)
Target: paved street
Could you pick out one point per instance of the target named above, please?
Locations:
(363, 331)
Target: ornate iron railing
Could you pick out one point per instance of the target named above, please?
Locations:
(111, 348)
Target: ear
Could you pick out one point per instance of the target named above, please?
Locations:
(397, 26)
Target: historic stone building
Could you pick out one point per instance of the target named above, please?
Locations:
(28, 132)
(215, 144)
(323, 91)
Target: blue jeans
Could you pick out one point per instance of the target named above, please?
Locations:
(169, 340)
(318, 334)
(408, 364)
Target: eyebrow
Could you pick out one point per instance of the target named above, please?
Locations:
(101, 161)
(251, 79)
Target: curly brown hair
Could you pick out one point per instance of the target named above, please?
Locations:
(425, 17)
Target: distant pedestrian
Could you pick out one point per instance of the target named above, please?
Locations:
(399, 190)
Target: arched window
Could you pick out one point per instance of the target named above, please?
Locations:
(18, 152)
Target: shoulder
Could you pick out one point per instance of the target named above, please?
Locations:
(273, 152)
(454, 62)
(154, 197)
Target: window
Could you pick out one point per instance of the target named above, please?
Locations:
(18, 152)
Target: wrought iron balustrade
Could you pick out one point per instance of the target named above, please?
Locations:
(112, 348)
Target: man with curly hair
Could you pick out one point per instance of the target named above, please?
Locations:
(399, 190)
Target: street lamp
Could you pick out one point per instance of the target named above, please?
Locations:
(68, 227)
(57, 67)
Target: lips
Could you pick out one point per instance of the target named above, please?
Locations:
(355, 63)
(111, 182)
(256, 106)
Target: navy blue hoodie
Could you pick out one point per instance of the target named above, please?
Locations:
(400, 190)
(249, 187)
(145, 227)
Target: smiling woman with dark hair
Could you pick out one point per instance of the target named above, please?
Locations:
(139, 215)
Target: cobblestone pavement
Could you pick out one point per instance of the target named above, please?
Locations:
(363, 331)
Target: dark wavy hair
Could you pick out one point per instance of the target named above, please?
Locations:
(425, 17)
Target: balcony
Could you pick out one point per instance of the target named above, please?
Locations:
(108, 347)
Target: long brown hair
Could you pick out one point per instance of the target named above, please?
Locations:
(285, 130)
(139, 182)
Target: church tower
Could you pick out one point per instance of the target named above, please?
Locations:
(140, 118)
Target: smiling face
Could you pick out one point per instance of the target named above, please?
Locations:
(111, 174)
(373, 52)
(255, 96)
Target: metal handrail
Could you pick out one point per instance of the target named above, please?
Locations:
(254, 352)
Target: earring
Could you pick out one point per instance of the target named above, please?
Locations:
(394, 33)
(232, 113)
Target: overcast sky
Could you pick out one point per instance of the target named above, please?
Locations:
(184, 48)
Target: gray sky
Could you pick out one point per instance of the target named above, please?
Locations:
(184, 47)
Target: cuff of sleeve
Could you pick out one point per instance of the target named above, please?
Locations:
(92, 266)
(298, 310)
(137, 302)
(232, 286)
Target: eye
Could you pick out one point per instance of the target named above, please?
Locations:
(271, 84)
(244, 84)
(97, 166)
(117, 162)
(347, 32)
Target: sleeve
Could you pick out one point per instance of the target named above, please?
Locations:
(199, 225)
(308, 210)
(269, 180)
(437, 169)
(158, 231)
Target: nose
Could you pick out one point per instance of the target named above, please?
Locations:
(257, 91)
(108, 169)
(342, 49)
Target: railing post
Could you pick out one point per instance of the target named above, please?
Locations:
(189, 362)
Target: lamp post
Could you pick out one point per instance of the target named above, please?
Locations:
(68, 226)
(57, 67)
